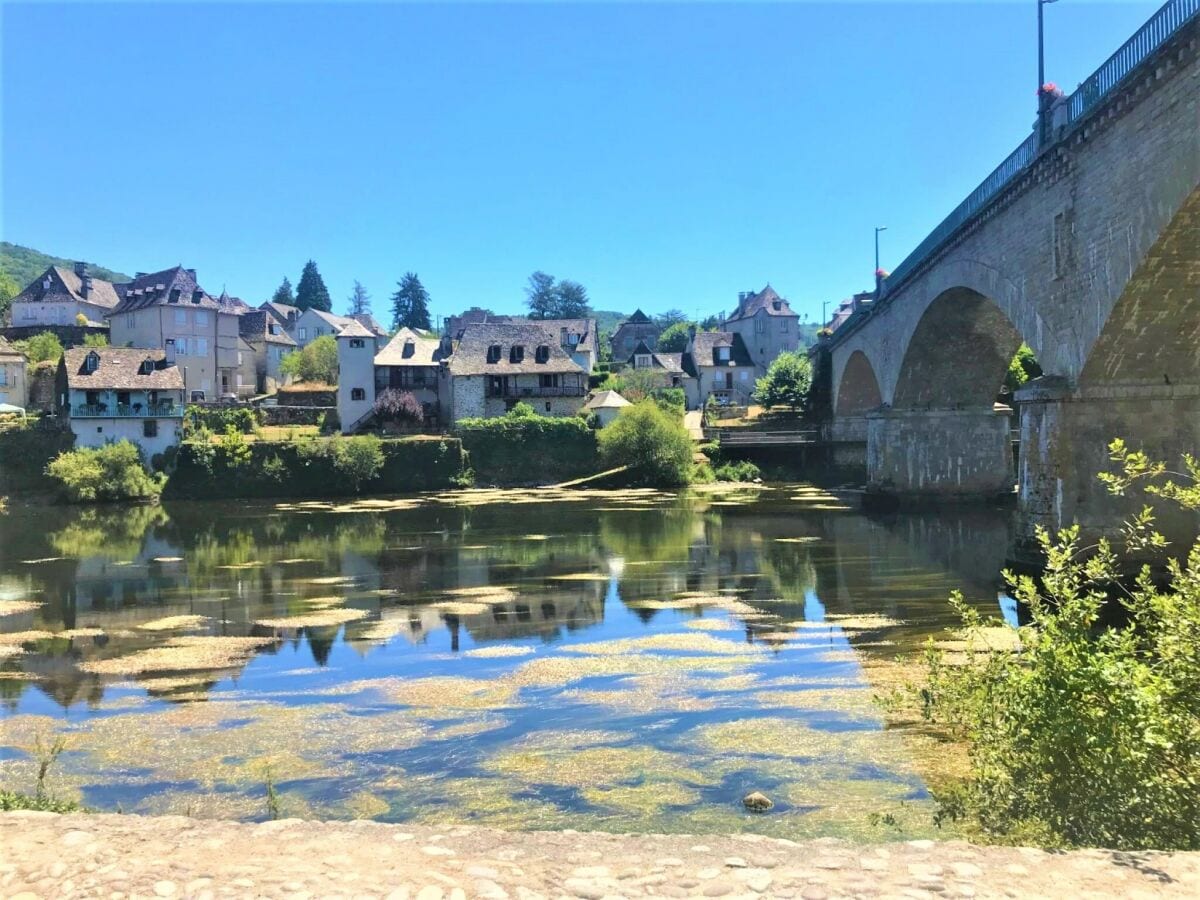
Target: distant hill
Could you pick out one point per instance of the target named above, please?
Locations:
(607, 320)
(24, 264)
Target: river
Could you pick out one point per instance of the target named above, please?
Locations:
(620, 661)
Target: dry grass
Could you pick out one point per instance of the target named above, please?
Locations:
(12, 607)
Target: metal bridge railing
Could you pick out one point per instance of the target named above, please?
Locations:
(1172, 16)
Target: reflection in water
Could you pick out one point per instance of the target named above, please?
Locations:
(614, 660)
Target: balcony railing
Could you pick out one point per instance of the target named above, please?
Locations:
(127, 411)
(1169, 19)
(523, 390)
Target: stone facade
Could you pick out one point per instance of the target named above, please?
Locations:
(1090, 255)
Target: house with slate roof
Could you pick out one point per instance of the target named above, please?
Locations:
(109, 394)
(496, 366)
(268, 343)
(668, 366)
(718, 365)
(198, 332)
(60, 295)
(638, 328)
(767, 324)
(414, 363)
(314, 323)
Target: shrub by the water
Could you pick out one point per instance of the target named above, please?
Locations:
(654, 444)
(1084, 734)
(737, 470)
(357, 460)
(112, 472)
(522, 447)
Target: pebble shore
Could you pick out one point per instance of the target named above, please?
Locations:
(43, 855)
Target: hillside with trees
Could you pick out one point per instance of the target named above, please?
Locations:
(25, 264)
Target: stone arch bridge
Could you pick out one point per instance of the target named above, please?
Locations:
(1086, 246)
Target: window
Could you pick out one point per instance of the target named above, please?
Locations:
(783, 326)
(197, 396)
(542, 354)
(150, 428)
(547, 406)
(201, 317)
(776, 305)
(548, 381)
(146, 367)
(181, 317)
(201, 347)
(196, 295)
(356, 343)
(493, 355)
(358, 394)
(174, 298)
(723, 354)
(642, 361)
(303, 334)
(516, 354)
(91, 362)
(271, 329)
(181, 346)
(130, 320)
(760, 324)
(239, 358)
(495, 386)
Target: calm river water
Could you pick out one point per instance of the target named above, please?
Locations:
(623, 661)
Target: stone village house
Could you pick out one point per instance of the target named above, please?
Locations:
(637, 329)
(767, 326)
(107, 394)
(60, 295)
(13, 385)
(718, 365)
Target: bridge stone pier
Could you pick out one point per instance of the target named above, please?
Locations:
(1087, 248)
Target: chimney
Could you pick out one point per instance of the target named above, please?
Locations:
(562, 336)
(85, 286)
(81, 269)
(169, 347)
(191, 272)
(721, 322)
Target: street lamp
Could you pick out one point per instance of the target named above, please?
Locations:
(1041, 75)
(878, 279)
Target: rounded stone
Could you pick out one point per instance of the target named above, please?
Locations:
(756, 801)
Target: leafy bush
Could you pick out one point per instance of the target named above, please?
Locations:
(357, 459)
(233, 449)
(112, 472)
(1023, 367)
(671, 400)
(654, 445)
(521, 447)
(1084, 734)
(10, 801)
(316, 362)
(42, 347)
(738, 470)
(245, 419)
(399, 407)
(787, 382)
(94, 340)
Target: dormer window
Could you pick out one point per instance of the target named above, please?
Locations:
(723, 354)
(516, 354)
(46, 285)
(174, 298)
(542, 354)
(271, 329)
(573, 339)
(777, 305)
(410, 348)
(642, 361)
(91, 362)
(197, 295)
(493, 355)
(147, 367)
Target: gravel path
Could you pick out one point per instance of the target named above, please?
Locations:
(45, 855)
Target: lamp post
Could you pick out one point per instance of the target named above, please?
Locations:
(1041, 74)
(878, 280)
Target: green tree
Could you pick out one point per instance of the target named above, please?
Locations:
(787, 382)
(570, 301)
(410, 304)
(541, 296)
(360, 300)
(283, 294)
(8, 289)
(654, 444)
(670, 317)
(1080, 733)
(358, 459)
(42, 347)
(311, 292)
(317, 362)
(1023, 367)
(674, 338)
(112, 472)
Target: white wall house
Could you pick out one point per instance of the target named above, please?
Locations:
(13, 386)
(356, 375)
(109, 394)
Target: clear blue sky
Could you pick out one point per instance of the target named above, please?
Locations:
(664, 155)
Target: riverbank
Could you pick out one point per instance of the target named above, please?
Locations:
(47, 855)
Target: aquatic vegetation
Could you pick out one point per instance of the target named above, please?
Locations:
(174, 623)
(12, 607)
(858, 702)
(500, 651)
(448, 692)
(593, 766)
(315, 619)
(551, 671)
(674, 642)
(642, 694)
(712, 625)
(181, 654)
(642, 799)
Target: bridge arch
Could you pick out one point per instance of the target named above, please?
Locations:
(958, 353)
(858, 388)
